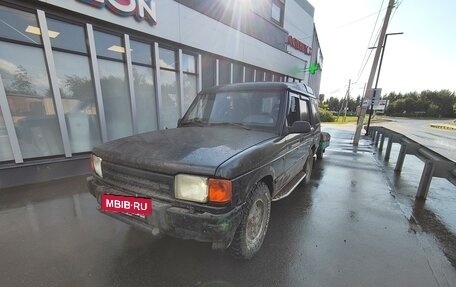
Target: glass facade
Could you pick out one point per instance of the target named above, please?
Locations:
(27, 87)
(6, 153)
(88, 81)
(190, 80)
(143, 77)
(75, 85)
(170, 111)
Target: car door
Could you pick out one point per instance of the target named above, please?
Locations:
(297, 143)
(315, 121)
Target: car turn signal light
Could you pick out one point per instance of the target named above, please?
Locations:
(220, 190)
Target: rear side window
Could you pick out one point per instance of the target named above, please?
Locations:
(315, 114)
(304, 107)
(293, 113)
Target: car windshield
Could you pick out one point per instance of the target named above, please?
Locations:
(248, 109)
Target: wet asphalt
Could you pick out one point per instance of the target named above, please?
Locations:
(355, 224)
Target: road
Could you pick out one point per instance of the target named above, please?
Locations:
(439, 140)
(344, 229)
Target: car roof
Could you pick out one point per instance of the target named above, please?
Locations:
(297, 87)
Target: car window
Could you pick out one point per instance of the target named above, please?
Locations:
(250, 108)
(316, 115)
(293, 113)
(304, 108)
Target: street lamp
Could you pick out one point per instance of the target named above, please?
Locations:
(378, 76)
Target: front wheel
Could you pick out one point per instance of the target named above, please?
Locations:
(251, 231)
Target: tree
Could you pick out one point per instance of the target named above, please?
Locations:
(22, 82)
(427, 103)
(333, 104)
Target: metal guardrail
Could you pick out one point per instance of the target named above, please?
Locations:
(435, 165)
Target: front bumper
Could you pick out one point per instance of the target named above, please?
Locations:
(176, 221)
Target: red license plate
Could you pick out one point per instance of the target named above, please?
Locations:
(126, 204)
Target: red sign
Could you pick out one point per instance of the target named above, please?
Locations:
(298, 45)
(126, 204)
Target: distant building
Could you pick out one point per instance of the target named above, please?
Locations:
(78, 73)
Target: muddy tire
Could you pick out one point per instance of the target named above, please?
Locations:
(308, 167)
(251, 231)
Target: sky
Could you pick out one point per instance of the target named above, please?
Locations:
(423, 58)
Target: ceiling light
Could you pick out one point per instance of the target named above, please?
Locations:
(37, 31)
(116, 48)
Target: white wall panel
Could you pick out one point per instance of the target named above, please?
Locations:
(181, 24)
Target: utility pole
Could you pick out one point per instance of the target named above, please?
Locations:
(378, 76)
(368, 93)
(346, 100)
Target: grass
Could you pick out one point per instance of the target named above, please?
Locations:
(348, 119)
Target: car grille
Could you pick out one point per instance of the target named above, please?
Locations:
(138, 181)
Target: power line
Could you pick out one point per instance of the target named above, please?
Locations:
(361, 69)
(396, 6)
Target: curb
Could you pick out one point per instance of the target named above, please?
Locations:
(443, 126)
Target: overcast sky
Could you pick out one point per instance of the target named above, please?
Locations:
(424, 57)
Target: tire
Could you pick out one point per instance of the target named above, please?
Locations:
(251, 231)
(309, 167)
(319, 153)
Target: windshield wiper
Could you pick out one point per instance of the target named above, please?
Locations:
(196, 121)
(231, 124)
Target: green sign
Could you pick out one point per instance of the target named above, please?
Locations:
(314, 68)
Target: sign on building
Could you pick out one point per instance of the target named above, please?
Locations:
(140, 9)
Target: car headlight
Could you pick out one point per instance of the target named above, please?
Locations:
(96, 165)
(202, 189)
(191, 187)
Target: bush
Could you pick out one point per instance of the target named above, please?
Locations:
(326, 116)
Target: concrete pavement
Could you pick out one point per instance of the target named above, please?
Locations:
(354, 225)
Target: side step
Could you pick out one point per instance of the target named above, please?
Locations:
(287, 189)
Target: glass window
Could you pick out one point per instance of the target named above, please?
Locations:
(116, 99)
(19, 25)
(275, 12)
(304, 108)
(189, 84)
(141, 53)
(238, 71)
(293, 111)
(169, 112)
(67, 36)
(315, 113)
(188, 63)
(78, 99)
(190, 90)
(5, 147)
(109, 46)
(208, 74)
(167, 58)
(224, 72)
(255, 109)
(27, 88)
(145, 98)
(248, 74)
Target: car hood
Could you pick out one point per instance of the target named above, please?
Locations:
(197, 150)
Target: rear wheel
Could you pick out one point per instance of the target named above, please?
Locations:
(309, 167)
(254, 223)
(320, 153)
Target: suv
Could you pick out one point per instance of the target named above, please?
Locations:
(212, 179)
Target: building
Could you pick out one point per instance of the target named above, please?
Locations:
(77, 73)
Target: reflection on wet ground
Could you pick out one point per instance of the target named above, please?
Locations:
(343, 229)
(437, 215)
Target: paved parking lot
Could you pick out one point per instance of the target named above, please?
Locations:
(349, 227)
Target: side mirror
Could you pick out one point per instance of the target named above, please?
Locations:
(300, 127)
